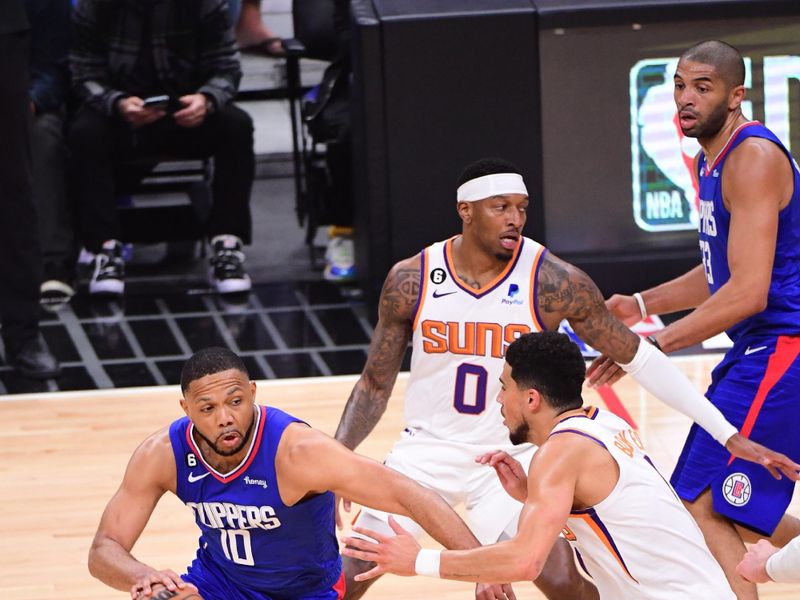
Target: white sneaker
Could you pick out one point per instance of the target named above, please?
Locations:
(340, 259)
(226, 265)
(108, 277)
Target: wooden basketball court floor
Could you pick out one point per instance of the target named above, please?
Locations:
(63, 455)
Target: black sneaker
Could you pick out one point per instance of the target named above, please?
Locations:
(34, 360)
(57, 284)
(226, 271)
(108, 277)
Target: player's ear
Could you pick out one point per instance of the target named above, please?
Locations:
(184, 406)
(736, 97)
(465, 211)
(253, 389)
(534, 399)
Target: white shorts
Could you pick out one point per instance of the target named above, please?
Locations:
(449, 468)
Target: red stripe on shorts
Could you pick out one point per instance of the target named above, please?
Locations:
(786, 351)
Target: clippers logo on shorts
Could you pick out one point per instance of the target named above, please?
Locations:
(665, 195)
(736, 489)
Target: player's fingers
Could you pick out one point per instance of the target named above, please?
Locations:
(359, 544)
(346, 504)
(396, 527)
(372, 534)
(359, 554)
(509, 591)
(176, 579)
(338, 517)
(371, 574)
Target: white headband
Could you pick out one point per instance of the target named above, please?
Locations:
(487, 186)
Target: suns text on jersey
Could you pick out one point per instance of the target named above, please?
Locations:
(227, 515)
(470, 338)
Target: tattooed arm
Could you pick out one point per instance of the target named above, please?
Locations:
(371, 393)
(566, 292)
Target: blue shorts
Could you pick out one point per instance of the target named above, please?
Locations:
(213, 584)
(757, 388)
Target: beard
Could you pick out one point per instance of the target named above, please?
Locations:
(709, 126)
(520, 434)
(237, 449)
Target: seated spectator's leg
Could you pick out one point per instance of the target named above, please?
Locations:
(20, 256)
(229, 132)
(49, 196)
(95, 142)
(252, 34)
(340, 253)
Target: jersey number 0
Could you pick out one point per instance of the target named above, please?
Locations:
(470, 404)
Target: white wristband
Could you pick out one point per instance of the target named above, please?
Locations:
(640, 301)
(428, 562)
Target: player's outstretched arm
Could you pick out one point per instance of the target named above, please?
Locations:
(371, 393)
(551, 489)
(150, 473)
(757, 183)
(310, 461)
(573, 295)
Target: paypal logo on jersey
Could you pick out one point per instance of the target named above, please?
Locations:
(513, 290)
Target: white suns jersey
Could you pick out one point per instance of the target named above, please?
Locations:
(640, 542)
(460, 335)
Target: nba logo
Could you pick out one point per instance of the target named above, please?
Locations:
(664, 191)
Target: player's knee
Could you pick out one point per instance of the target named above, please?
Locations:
(560, 577)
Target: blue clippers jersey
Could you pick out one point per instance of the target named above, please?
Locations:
(782, 314)
(247, 531)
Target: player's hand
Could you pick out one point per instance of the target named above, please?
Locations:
(775, 462)
(754, 564)
(603, 371)
(625, 308)
(143, 588)
(346, 506)
(494, 591)
(133, 111)
(193, 112)
(511, 474)
(391, 554)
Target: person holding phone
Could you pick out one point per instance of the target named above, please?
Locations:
(148, 90)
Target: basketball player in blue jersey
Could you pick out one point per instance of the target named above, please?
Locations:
(461, 302)
(257, 481)
(747, 285)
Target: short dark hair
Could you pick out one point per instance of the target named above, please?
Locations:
(486, 166)
(726, 59)
(551, 363)
(209, 361)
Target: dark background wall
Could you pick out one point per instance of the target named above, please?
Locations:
(548, 85)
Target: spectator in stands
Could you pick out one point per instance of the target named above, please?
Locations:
(49, 83)
(328, 118)
(20, 255)
(252, 34)
(124, 56)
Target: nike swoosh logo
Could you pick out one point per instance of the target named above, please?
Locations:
(752, 350)
(436, 293)
(193, 478)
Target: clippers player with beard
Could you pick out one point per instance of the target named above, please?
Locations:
(462, 302)
(257, 481)
(748, 285)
